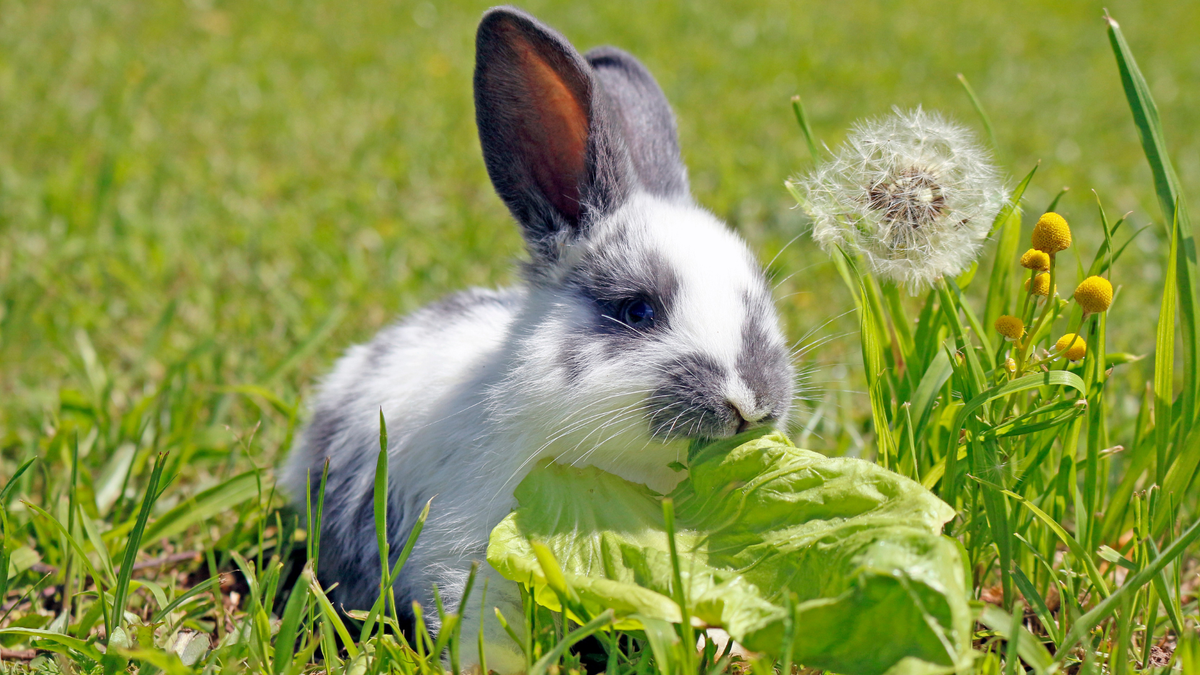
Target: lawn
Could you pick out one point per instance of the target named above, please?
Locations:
(202, 204)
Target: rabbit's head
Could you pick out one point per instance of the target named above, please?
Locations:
(646, 317)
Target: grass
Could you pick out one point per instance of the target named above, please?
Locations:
(202, 204)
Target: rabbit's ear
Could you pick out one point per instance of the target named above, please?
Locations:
(647, 123)
(548, 141)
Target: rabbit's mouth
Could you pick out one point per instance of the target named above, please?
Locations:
(699, 398)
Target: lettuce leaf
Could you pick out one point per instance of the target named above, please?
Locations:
(875, 587)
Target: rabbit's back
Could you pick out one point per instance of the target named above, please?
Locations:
(416, 371)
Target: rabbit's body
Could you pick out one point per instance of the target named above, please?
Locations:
(643, 323)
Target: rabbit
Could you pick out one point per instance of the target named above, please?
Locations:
(642, 323)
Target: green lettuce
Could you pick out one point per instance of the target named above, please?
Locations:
(874, 586)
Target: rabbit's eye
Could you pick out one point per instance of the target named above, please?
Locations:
(637, 313)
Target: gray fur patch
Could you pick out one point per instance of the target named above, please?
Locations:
(690, 402)
(646, 120)
(610, 274)
(763, 366)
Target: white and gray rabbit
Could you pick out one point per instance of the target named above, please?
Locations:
(643, 322)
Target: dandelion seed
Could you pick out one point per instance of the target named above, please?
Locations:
(912, 193)
(1051, 233)
(1071, 346)
(1010, 327)
(1036, 260)
(1094, 294)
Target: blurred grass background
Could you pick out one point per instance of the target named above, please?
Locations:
(198, 196)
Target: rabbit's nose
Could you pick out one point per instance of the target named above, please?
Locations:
(745, 416)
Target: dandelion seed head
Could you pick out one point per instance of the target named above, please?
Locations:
(1071, 346)
(1051, 233)
(1094, 294)
(912, 193)
(1036, 260)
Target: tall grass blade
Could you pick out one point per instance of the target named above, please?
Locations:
(802, 120)
(12, 481)
(1028, 646)
(184, 598)
(1166, 186)
(1008, 223)
(1164, 362)
(983, 116)
(1072, 543)
(680, 593)
(220, 498)
(134, 544)
(328, 612)
(603, 620)
(1132, 584)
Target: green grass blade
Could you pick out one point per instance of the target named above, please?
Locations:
(1037, 601)
(985, 460)
(680, 592)
(184, 598)
(1164, 362)
(289, 627)
(1008, 224)
(802, 120)
(1073, 544)
(329, 613)
(1057, 378)
(1101, 611)
(603, 620)
(936, 374)
(1169, 600)
(408, 547)
(134, 543)
(87, 563)
(83, 647)
(218, 499)
(1179, 477)
(12, 482)
(987, 122)
(1166, 185)
(1028, 647)
(380, 498)
(981, 333)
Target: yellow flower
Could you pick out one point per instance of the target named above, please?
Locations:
(1094, 294)
(1041, 284)
(1075, 347)
(1051, 234)
(1010, 365)
(1010, 327)
(1036, 260)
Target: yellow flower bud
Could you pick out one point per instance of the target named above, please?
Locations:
(1051, 234)
(1010, 365)
(1071, 346)
(1094, 294)
(1010, 327)
(1036, 260)
(1041, 284)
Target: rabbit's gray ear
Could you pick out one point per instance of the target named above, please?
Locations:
(647, 123)
(548, 141)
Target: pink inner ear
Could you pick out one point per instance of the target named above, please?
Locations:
(555, 128)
